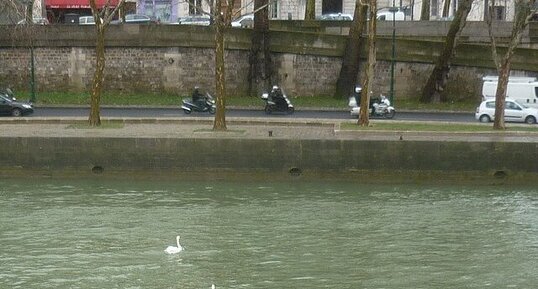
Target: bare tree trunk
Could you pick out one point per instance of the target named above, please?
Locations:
(220, 116)
(425, 11)
(370, 66)
(351, 60)
(29, 11)
(500, 94)
(219, 123)
(310, 13)
(102, 20)
(446, 8)
(260, 68)
(524, 11)
(97, 84)
(439, 76)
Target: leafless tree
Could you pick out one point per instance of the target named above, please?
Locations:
(446, 8)
(524, 11)
(260, 64)
(16, 10)
(310, 10)
(351, 59)
(370, 65)
(425, 10)
(222, 21)
(439, 76)
(102, 19)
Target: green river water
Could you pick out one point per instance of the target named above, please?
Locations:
(69, 233)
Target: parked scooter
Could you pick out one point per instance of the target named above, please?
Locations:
(277, 101)
(199, 103)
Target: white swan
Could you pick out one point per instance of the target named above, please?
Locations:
(174, 250)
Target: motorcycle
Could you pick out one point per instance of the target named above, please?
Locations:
(382, 108)
(280, 103)
(208, 105)
(379, 108)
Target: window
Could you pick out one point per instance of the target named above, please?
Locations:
(274, 10)
(490, 104)
(536, 91)
(511, 105)
(195, 7)
(499, 12)
(434, 7)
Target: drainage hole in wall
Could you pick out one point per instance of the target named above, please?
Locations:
(97, 170)
(500, 174)
(295, 172)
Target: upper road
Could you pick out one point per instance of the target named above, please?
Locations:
(169, 112)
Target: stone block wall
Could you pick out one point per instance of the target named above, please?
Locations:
(171, 59)
(80, 155)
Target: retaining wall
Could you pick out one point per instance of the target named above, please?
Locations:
(172, 59)
(81, 155)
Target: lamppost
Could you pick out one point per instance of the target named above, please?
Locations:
(30, 33)
(393, 9)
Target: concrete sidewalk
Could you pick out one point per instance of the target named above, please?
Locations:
(247, 128)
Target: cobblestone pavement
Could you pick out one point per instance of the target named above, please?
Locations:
(237, 128)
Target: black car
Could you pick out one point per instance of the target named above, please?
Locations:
(9, 106)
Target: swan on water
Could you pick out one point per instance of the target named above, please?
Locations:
(174, 250)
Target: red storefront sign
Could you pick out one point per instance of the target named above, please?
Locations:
(77, 4)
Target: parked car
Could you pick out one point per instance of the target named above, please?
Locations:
(245, 21)
(513, 111)
(86, 20)
(37, 20)
(203, 20)
(336, 16)
(389, 16)
(10, 106)
(134, 19)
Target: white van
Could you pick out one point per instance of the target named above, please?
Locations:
(522, 89)
(385, 15)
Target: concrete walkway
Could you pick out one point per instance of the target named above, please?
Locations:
(259, 128)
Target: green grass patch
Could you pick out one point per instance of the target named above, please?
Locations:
(71, 98)
(434, 127)
(208, 130)
(104, 125)
(66, 98)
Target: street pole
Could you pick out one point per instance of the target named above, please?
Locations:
(32, 75)
(393, 58)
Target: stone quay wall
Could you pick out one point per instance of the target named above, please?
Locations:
(171, 59)
(85, 155)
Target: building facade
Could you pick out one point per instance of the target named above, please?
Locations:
(295, 9)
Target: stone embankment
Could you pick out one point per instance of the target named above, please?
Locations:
(284, 147)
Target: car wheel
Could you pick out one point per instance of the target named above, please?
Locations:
(530, 119)
(16, 112)
(187, 111)
(484, 118)
(268, 109)
(212, 110)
